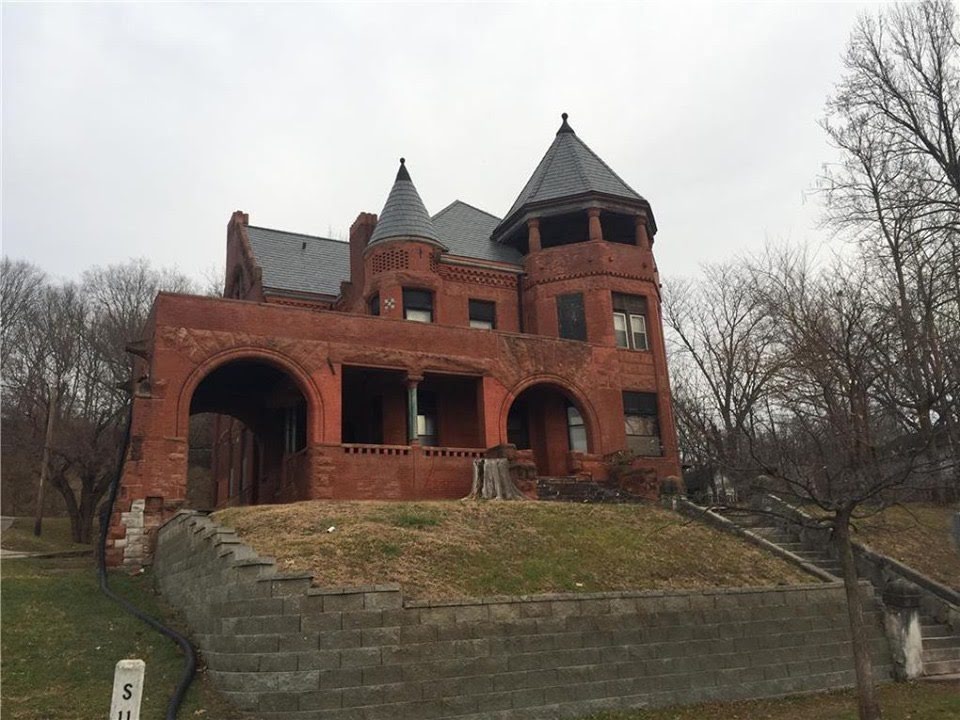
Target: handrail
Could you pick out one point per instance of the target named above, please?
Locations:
(943, 592)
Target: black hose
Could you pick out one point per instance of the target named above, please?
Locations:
(190, 656)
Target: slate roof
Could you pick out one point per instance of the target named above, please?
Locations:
(466, 230)
(404, 215)
(567, 169)
(300, 263)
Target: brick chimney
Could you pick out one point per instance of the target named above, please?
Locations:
(360, 233)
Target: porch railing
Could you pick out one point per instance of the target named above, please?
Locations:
(358, 449)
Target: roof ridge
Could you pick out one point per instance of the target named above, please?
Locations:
(576, 160)
(462, 202)
(612, 171)
(534, 189)
(290, 232)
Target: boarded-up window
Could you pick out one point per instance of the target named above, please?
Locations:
(642, 423)
(571, 317)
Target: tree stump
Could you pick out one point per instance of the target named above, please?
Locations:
(492, 481)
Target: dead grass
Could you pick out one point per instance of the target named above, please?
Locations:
(918, 535)
(457, 549)
(899, 701)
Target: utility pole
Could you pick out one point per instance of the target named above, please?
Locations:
(45, 460)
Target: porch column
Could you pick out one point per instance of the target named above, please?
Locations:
(533, 240)
(593, 222)
(412, 411)
(642, 240)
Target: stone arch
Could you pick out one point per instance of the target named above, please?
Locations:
(547, 454)
(258, 414)
(291, 367)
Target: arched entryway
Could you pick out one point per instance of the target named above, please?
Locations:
(248, 435)
(548, 420)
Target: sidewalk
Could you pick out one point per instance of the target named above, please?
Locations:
(6, 521)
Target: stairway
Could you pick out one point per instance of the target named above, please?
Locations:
(941, 644)
(764, 525)
(941, 648)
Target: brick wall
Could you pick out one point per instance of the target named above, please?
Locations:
(284, 649)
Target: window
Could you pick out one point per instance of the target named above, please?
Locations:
(373, 304)
(576, 430)
(630, 321)
(483, 314)
(418, 305)
(571, 317)
(243, 461)
(518, 425)
(641, 423)
(427, 418)
(295, 428)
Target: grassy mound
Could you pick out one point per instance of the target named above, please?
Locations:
(461, 549)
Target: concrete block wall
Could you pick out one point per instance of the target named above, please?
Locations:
(278, 646)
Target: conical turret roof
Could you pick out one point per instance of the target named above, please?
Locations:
(568, 169)
(404, 214)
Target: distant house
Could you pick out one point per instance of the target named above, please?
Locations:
(381, 367)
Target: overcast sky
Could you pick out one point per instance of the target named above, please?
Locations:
(134, 130)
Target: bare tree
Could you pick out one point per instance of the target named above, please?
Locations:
(896, 191)
(827, 441)
(67, 379)
(50, 350)
(20, 286)
(721, 344)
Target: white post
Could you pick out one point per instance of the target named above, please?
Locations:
(902, 624)
(127, 690)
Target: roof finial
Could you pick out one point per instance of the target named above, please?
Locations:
(565, 127)
(402, 173)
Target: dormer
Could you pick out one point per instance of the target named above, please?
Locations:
(573, 196)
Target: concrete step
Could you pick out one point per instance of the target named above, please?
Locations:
(814, 555)
(774, 535)
(942, 667)
(932, 655)
(941, 642)
(935, 630)
(831, 566)
(951, 677)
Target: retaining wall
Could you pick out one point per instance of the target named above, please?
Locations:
(284, 649)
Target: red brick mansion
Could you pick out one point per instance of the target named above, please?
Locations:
(382, 367)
